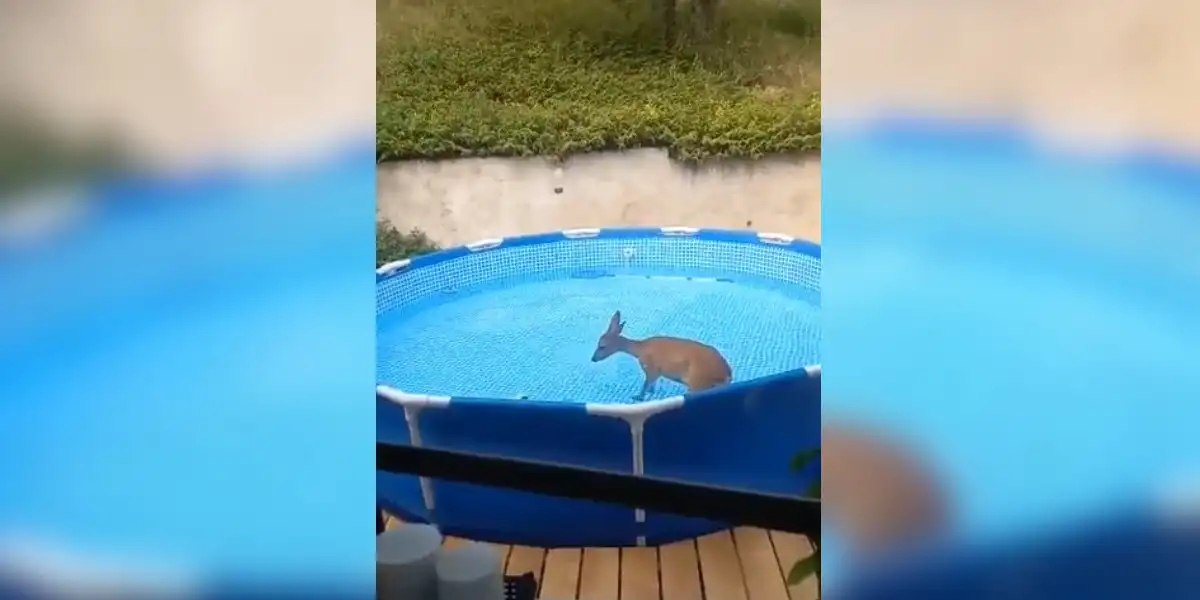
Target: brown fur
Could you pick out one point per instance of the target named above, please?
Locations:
(877, 492)
(696, 365)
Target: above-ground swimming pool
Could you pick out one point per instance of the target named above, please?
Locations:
(1028, 320)
(487, 348)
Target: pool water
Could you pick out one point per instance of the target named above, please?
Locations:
(1028, 321)
(534, 339)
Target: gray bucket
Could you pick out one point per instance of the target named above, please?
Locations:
(406, 563)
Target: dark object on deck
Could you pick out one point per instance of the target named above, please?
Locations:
(520, 587)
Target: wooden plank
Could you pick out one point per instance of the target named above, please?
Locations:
(639, 574)
(523, 559)
(719, 568)
(600, 575)
(502, 551)
(450, 542)
(560, 577)
(746, 564)
(760, 566)
(789, 548)
(679, 569)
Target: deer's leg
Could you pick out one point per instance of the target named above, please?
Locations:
(648, 385)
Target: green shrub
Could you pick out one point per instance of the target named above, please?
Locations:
(559, 77)
(391, 244)
(809, 566)
(801, 18)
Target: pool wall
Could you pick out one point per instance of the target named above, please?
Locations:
(742, 435)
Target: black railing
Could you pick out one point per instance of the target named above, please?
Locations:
(741, 507)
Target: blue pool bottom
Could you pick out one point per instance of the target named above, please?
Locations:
(535, 339)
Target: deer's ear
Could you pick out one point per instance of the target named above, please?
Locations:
(614, 324)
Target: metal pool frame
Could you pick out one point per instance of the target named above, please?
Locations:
(443, 423)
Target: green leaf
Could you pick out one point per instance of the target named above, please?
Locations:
(803, 459)
(805, 568)
(814, 490)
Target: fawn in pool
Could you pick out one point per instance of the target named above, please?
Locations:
(698, 366)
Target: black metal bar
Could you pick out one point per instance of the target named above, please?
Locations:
(738, 507)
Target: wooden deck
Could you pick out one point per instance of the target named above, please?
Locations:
(741, 564)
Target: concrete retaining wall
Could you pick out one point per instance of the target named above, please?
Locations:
(458, 201)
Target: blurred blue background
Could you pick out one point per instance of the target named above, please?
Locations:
(1025, 319)
(188, 374)
(187, 199)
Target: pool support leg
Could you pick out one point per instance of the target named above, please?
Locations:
(412, 416)
(636, 415)
(413, 404)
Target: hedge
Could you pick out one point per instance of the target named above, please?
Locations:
(391, 244)
(481, 78)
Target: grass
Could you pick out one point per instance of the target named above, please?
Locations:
(557, 77)
(392, 244)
